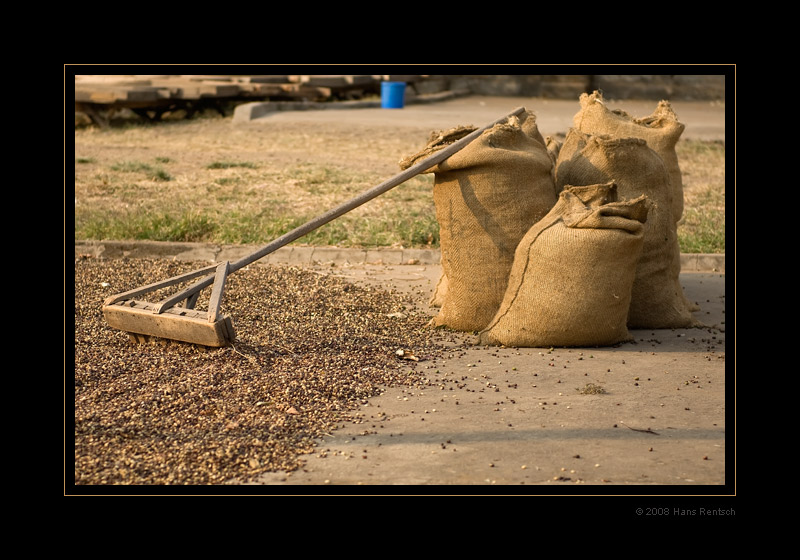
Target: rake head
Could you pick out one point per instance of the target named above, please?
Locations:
(142, 319)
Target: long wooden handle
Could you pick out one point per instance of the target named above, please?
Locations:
(334, 213)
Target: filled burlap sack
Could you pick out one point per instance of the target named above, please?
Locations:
(657, 299)
(661, 130)
(487, 196)
(573, 273)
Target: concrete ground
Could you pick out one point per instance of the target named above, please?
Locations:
(525, 421)
(524, 417)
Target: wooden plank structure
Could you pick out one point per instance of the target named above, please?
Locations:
(99, 97)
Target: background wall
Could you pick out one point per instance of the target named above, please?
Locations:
(687, 87)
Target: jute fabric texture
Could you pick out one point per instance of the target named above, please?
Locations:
(585, 159)
(487, 196)
(661, 130)
(573, 273)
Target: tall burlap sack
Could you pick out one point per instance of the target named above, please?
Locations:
(657, 297)
(573, 273)
(661, 130)
(487, 196)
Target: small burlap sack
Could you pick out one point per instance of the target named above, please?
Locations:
(657, 297)
(661, 130)
(487, 196)
(573, 273)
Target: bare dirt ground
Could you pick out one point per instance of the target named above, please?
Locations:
(367, 141)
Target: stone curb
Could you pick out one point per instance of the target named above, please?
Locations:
(210, 252)
(247, 112)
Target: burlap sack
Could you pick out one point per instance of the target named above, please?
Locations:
(573, 273)
(487, 196)
(661, 130)
(657, 297)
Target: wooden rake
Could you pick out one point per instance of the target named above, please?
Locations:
(165, 319)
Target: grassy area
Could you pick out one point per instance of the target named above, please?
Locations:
(702, 229)
(247, 208)
(180, 182)
(151, 172)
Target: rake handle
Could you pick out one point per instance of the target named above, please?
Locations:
(344, 208)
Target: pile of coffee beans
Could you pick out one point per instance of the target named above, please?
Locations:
(310, 349)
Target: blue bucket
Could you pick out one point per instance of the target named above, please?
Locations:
(393, 95)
